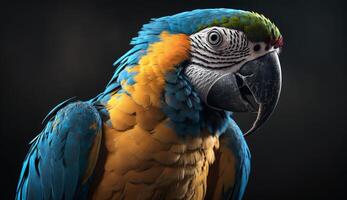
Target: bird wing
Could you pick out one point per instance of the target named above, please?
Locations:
(62, 157)
(228, 176)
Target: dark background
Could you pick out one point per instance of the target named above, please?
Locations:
(52, 51)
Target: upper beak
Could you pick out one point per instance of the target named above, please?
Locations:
(259, 79)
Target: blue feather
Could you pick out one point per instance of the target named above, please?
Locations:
(58, 157)
(35, 190)
(56, 108)
(181, 95)
(238, 146)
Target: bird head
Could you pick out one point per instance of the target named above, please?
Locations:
(234, 64)
(232, 60)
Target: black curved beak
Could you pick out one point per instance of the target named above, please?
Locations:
(256, 87)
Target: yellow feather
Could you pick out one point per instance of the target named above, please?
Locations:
(164, 134)
(126, 104)
(144, 156)
(122, 117)
(148, 119)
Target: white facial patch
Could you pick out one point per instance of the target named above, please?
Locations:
(216, 51)
(218, 47)
(224, 49)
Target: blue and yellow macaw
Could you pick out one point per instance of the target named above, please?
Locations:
(163, 128)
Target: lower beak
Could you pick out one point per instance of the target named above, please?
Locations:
(256, 84)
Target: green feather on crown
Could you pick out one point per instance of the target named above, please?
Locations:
(257, 27)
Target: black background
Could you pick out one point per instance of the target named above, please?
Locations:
(52, 51)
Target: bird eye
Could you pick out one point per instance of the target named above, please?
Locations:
(214, 38)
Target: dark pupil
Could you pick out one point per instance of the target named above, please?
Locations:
(214, 37)
(256, 47)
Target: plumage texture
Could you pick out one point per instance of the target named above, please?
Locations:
(158, 140)
(167, 142)
(62, 157)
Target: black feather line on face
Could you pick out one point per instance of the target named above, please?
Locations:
(233, 51)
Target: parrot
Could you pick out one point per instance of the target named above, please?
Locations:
(164, 126)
